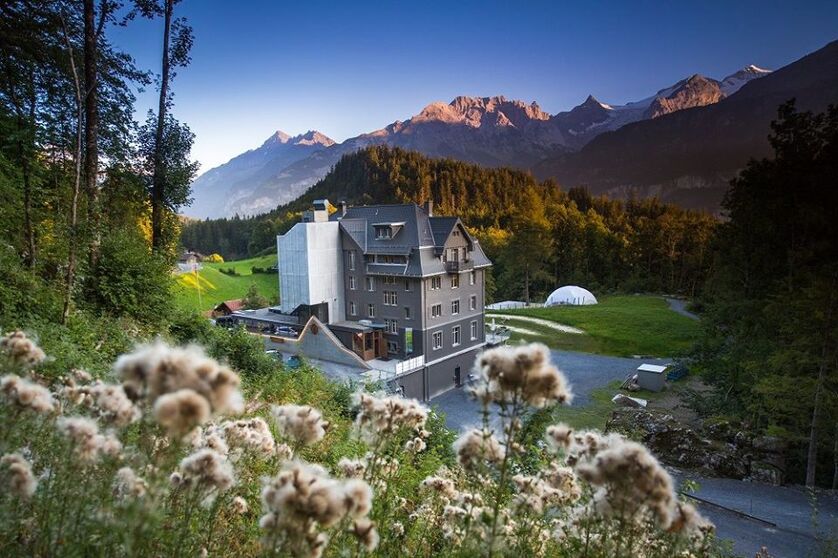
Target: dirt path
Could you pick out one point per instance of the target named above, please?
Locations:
(680, 306)
(539, 321)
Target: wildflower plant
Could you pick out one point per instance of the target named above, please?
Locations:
(163, 457)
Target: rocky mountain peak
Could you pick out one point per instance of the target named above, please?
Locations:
(695, 91)
(312, 137)
(276, 138)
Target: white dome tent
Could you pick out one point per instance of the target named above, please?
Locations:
(570, 295)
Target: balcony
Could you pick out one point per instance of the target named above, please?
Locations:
(458, 266)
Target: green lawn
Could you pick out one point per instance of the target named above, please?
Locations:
(619, 325)
(595, 414)
(217, 287)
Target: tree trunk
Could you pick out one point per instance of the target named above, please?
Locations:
(73, 248)
(812, 452)
(91, 129)
(527, 285)
(158, 180)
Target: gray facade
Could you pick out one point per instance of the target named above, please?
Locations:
(418, 279)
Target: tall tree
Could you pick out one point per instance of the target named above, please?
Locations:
(772, 329)
(177, 42)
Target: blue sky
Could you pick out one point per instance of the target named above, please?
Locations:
(350, 67)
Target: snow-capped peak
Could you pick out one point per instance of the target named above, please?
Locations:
(732, 83)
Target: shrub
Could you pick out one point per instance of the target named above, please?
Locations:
(129, 280)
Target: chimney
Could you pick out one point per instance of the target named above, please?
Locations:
(342, 208)
(429, 207)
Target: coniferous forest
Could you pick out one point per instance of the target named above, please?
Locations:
(559, 237)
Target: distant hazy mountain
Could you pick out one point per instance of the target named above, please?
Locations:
(492, 131)
(216, 189)
(688, 157)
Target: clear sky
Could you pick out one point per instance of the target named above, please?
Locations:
(344, 68)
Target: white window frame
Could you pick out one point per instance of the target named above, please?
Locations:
(473, 330)
(455, 281)
(391, 298)
(352, 260)
(353, 308)
(456, 336)
(436, 283)
(436, 340)
(455, 307)
(436, 310)
(471, 278)
(407, 285)
(370, 310)
(408, 315)
(472, 302)
(352, 284)
(370, 284)
(391, 326)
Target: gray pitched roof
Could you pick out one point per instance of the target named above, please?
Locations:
(417, 238)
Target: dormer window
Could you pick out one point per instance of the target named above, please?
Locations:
(386, 231)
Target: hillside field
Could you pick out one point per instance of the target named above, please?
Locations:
(624, 325)
(217, 287)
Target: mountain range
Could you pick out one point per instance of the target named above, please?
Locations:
(683, 143)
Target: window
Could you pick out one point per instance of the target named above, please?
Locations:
(390, 259)
(351, 282)
(390, 298)
(407, 284)
(437, 340)
(370, 284)
(436, 283)
(455, 307)
(391, 326)
(471, 278)
(382, 233)
(390, 279)
(436, 310)
(371, 310)
(407, 312)
(455, 281)
(472, 302)
(352, 259)
(392, 347)
(455, 335)
(353, 308)
(474, 330)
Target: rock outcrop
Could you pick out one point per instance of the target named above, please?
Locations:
(717, 448)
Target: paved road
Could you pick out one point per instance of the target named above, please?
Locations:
(782, 517)
(680, 306)
(584, 371)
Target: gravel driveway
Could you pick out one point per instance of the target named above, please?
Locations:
(584, 371)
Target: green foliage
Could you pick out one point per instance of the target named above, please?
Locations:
(130, 281)
(253, 300)
(771, 307)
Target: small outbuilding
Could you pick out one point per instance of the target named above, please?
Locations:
(651, 376)
(570, 295)
(227, 307)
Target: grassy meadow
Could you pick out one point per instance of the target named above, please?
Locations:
(622, 325)
(216, 287)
